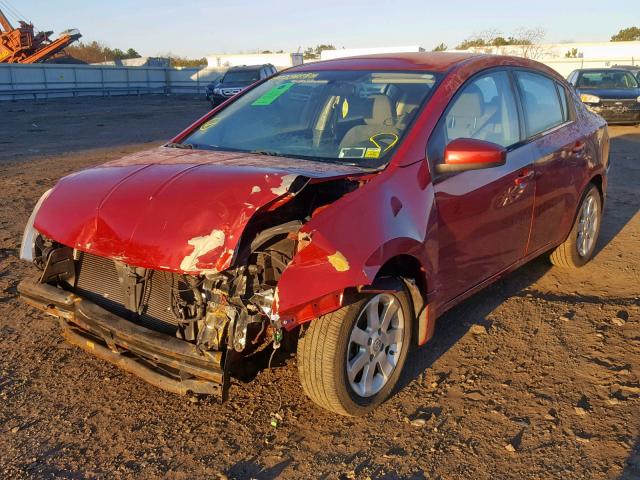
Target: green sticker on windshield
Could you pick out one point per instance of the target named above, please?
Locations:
(273, 94)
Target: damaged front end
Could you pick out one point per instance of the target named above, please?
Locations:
(181, 330)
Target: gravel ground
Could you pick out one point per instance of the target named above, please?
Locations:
(536, 377)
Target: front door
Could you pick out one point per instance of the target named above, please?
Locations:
(484, 216)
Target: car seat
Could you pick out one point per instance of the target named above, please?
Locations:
(381, 120)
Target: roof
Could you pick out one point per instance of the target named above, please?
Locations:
(249, 67)
(466, 63)
(430, 61)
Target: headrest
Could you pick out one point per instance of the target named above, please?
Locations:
(381, 111)
(468, 104)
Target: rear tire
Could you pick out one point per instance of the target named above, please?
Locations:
(349, 366)
(579, 246)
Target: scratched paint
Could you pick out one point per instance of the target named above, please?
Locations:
(202, 246)
(339, 262)
(283, 188)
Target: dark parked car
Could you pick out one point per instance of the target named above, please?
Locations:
(235, 80)
(333, 211)
(613, 93)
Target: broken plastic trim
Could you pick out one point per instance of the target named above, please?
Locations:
(27, 248)
(136, 349)
(320, 306)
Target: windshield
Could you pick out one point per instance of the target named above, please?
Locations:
(350, 117)
(607, 79)
(245, 76)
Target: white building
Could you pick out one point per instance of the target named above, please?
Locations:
(553, 51)
(582, 55)
(355, 52)
(278, 60)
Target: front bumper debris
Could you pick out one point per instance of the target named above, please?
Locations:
(162, 360)
(618, 114)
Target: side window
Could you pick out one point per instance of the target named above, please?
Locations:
(563, 102)
(541, 103)
(485, 109)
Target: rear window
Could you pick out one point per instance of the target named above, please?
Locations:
(541, 102)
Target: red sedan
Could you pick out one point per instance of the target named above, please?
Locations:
(334, 210)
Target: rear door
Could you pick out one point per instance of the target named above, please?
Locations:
(559, 154)
(484, 216)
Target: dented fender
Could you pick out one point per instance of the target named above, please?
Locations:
(346, 244)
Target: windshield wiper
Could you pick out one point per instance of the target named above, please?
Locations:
(264, 152)
(187, 146)
(336, 161)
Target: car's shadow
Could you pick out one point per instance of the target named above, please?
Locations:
(632, 466)
(455, 324)
(622, 201)
(251, 468)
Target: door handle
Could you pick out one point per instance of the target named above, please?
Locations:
(578, 146)
(524, 176)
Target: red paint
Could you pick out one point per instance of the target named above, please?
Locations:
(318, 307)
(462, 231)
(145, 208)
(468, 151)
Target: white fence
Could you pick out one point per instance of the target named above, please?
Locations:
(50, 81)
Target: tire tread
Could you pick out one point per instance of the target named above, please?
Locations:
(317, 377)
(322, 358)
(565, 255)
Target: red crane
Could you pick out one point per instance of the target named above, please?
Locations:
(24, 45)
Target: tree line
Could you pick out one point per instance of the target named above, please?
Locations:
(526, 39)
(629, 34)
(96, 52)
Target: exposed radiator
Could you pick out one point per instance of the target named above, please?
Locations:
(98, 282)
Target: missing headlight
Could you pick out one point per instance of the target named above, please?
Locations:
(28, 246)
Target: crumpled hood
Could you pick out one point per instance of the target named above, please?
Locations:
(171, 209)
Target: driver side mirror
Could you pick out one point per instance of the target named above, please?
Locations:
(464, 154)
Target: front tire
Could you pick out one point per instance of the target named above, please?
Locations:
(580, 245)
(350, 360)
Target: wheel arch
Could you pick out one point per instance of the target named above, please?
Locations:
(414, 276)
(406, 266)
(597, 180)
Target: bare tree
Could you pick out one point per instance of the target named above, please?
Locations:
(522, 42)
(530, 40)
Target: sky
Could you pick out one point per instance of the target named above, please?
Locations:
(195, 28)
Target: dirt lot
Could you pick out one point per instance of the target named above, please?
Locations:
(545, 385)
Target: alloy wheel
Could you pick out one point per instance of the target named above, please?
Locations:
(375, 344)
(588, 225)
